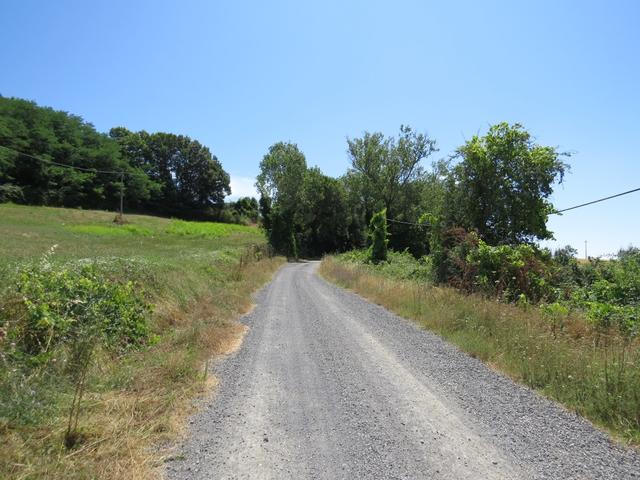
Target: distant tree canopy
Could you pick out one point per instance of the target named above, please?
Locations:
(497, 186)
(62, 138)
(303, 210)
(386, 173)
(163, 173)
(186, 176)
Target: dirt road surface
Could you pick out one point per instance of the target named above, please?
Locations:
(327, 385)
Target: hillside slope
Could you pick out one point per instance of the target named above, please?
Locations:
(195, 277)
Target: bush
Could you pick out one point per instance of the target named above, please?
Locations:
(509, 271)
(58, 305)
(11, 193)
(610, 292)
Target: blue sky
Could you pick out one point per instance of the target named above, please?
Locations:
(239, 76)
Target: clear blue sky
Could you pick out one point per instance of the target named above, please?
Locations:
(239, 76)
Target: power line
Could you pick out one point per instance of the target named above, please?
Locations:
(121, 174)
(555, 212)
(51, 162)
(595, 201)
(407, 223)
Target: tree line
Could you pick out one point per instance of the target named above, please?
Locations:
(496, 185)
(163, 173)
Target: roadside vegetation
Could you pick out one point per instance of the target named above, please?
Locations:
(455, 246)
(579, 346)
(105, 334)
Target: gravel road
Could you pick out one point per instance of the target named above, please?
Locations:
(327, 385)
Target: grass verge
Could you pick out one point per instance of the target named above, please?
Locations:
(593, 372)
(135, 403)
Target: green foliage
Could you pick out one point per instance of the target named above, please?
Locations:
(61, 306)
(282, 172)
(187, 178)
(244, 210)
(294, 247)
(163, 173)
(304, 211)
(321, 216)
(399, 265)
(610, 292)
(514, 273)
(62, 138)
(502, 185)
(11, 193)
(280, 182)
(205, 229)
(378, 235)
(386, 173)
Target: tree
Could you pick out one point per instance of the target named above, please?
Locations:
(502, 184)
(281, 175)
(56, 137)
(247, 208)
(322, 215)
(378, 229)
(387, 165)
(280, 181)
(186, 176)
(387, 173)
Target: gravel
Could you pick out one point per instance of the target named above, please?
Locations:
(329, 385)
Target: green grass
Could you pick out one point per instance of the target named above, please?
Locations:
(206, 229)
(27, 232)
(595, 373)
(192, 275)
(110, 230)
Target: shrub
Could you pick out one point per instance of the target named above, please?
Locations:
(11, 193)
(509, 271)
(61, 304)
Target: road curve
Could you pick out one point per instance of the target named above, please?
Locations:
(327, 385)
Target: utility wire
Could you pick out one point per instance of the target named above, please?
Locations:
(555, 212)
(122, 173)
(595, 201)
(407, 223)
(51, 162)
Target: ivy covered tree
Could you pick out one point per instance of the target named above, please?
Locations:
(378, 235)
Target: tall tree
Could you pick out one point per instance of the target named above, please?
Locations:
(387, 173)
(322, 215)
(282, 172)
(501, 186)
(58, 137)
(187, 176)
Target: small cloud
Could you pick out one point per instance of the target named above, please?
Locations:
(242, 187)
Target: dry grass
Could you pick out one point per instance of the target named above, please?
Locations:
(595, 373)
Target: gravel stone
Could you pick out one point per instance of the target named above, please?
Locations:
(327, 385)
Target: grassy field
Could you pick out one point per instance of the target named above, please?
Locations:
(594, 372)
(135, 403)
